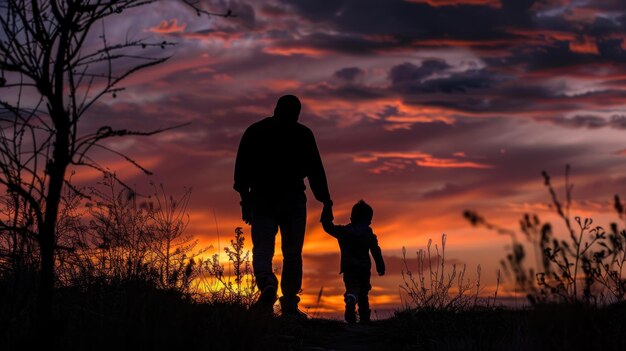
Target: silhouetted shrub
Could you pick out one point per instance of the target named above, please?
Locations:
(432, 287)
(238, 287)
(112, 238)
(586, 265)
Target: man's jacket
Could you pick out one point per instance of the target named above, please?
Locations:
(273, 159)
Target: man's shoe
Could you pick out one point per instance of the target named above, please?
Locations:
(297, 315)
(265, 303)
(289, 308)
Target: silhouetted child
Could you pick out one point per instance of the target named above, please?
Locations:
(356, 240)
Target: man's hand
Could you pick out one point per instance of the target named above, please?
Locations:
(246, 212)
(327, 214)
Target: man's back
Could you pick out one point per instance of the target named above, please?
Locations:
(275, 156)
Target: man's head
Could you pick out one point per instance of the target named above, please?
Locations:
(287, 108)
(362, 213)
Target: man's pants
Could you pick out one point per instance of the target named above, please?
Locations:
(290, 216)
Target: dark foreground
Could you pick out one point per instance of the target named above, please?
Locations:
(127, 320)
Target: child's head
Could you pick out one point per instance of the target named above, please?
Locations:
(362, 213)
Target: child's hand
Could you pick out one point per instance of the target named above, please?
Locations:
(327, 214)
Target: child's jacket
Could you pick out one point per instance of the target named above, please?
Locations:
(355, 243)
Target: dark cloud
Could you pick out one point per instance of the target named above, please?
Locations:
(618, 121)
(580, 121)
(409, 78)
(408, 72)
(588, 121)
(362, 27)
(367, 26)
(350, 92)
(273, 10)
(348, 43)
(349, 73)
(244, 13)
(417, 20)
(560, 54)
(459, 82)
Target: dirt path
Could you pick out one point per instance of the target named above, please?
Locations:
(323, 334)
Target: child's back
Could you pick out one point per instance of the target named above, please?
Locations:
(355, 242)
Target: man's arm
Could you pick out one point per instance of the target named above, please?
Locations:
(378, 256)
(316, 173)
(242, 175)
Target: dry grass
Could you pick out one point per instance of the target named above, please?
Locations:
(435, 285)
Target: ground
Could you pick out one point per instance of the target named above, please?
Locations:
(142, 319)
(558, 327)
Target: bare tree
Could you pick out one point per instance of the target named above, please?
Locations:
(50, 78)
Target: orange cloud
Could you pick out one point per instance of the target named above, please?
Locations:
(579, 44)
(283, 84)
(584, 45)
(292, 51)
(392, 161)
(375, 156)
(226, 37)
(396, 112)
(168, 27)
(543, 35)
(462, 43)
(449, 163)
(222, 77)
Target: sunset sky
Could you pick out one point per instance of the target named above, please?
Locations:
(424, 108)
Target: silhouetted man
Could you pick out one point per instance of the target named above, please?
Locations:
(274, 157)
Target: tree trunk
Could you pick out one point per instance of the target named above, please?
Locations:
(47, 233)
(55, 169)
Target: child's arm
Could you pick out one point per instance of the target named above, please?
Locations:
(327, 223)
(334, 230)
(378, 256)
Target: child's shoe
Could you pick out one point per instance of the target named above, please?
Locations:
(364, 316)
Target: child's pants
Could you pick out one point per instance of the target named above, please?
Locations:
(357, 287)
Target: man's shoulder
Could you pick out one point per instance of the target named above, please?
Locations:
(258, 126)
(304, 131)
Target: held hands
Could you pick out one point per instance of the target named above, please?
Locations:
(327, 213)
